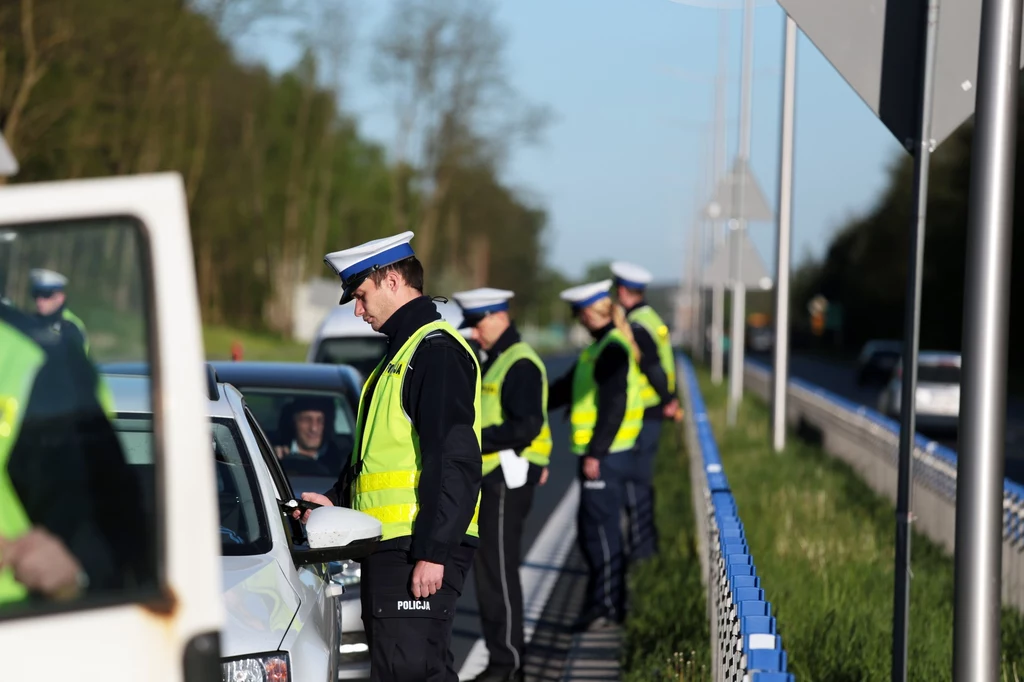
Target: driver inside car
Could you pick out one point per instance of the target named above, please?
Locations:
(308, 430)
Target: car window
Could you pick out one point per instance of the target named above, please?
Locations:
(73, 294)
(362, 352)
(243, 526)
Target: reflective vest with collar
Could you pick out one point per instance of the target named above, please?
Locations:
(388, 454)
(21, 359)
(584, 398)
(646, 317)
(538, 451)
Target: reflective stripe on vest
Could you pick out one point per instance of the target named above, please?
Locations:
(21, 359)
(387, 456)
(584, 398)
(539, 451)
(646, 317)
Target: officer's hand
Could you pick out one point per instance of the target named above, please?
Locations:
(316, 498)
(42, 563)
(426, 579)
(671, 409)
(591, 467)
(544, 476)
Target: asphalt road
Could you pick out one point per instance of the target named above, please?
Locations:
(561, 473)
(838, 376)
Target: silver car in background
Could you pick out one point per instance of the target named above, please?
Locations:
(938, 392)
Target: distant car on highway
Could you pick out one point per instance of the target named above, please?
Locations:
(344, 339)
(938, 392)
(877, 361)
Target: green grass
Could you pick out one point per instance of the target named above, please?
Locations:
(823, 543)
(666, 632)
(255, 345)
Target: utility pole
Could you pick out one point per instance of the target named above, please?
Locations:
(717, 226)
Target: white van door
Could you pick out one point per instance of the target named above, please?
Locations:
(107, 263)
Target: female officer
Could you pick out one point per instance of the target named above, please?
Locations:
(606, 413)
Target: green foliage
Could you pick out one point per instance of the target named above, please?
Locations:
(666, 632)
(218, 341)
(824, 547)
(276, 173)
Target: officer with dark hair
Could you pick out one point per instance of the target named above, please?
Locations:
(416, 464)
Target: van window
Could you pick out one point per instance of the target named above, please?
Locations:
(362, 352)
(73, 294)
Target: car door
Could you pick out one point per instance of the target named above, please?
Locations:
(315, 579)
(151, 609)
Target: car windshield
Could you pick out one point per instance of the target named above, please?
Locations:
(243, 524)
(311, 431)
(938, 374)
(362, 352)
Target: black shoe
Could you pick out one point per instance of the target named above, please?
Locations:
(500, 675)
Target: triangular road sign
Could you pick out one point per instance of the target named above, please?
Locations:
(755, 274)
(755, 206)
(8, 164)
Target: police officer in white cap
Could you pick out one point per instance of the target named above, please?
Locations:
(658, 393)
(49, 292)
(603, 392)
(415, 464)
(516, 443)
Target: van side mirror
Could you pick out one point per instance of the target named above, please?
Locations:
(338, 534)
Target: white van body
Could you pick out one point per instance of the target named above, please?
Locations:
(343, 338)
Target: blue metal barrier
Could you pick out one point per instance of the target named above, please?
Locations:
(745, 644)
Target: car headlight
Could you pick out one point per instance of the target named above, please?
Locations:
(269, 667)
(347, 573)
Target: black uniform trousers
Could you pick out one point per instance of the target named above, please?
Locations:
(600, 534)
(410, 639)
(642, 535)
(503, 513)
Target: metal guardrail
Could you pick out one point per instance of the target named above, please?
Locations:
(869, 443)
(744, 644)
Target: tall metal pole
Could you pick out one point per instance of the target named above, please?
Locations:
(783, 244)
(922, 147)
(739, 292)
(718, 227)
(699, 226)
(979, 509)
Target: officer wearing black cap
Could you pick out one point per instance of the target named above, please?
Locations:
(415, 464)
(658, 394)
(516, 442)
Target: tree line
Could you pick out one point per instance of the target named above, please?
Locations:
(275, 169)
(865, 266)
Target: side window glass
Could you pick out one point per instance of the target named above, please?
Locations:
(78, 513)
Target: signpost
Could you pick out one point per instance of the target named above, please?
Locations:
(922, 79)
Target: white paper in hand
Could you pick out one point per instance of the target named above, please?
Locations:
(514, 468)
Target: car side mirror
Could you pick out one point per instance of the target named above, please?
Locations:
(338, 534)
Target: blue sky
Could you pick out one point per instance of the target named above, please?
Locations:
(631, 85)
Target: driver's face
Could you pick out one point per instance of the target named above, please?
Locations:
(309, 429)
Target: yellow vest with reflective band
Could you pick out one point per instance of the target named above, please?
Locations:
(103, 392)
(584, 398)
(387, 486)
(539, 451)
(20, 358)
(656, 327)
(77, 321)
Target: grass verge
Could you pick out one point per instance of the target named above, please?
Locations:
(255, 346)
(824, 547)
(666, 632)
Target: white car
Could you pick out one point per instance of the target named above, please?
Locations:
(344, 339)
(938, 392)
(283, 608)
